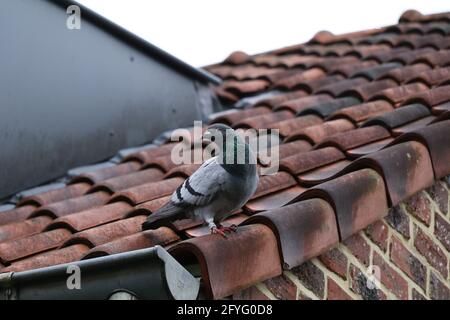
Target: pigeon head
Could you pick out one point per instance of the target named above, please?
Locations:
(234, 151)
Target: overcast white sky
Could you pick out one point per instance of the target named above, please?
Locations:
(201, 32)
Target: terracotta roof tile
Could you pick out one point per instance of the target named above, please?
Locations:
(68, 192)
(102, 174)
(161, 236)
(253, 250)
(20, 248)
(304, 229)
(364, 123)
(65, 207)
(106, 233)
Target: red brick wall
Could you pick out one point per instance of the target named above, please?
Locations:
(409, 251)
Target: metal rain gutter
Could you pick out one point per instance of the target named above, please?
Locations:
(142, 274)
(140, 44)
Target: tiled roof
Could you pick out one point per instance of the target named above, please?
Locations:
(364, 123)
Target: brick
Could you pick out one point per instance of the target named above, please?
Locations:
(438, 290)
(359, 248)
(336, 261)
(431, 251)
(420, 207)
(398, 220)
(390, 278)
(442, 231)
(335, 292)
(416, 295)
(361, 285)
(312, 278)
(252, 293)
(440, 195)
(408, 263)
(378, 233)
(282, 287)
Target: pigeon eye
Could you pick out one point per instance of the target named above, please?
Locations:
(213, 138)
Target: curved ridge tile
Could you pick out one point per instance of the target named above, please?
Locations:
(368, 148)
(298, 105)
(399, 116)
(16, 214)
(252, 256)
(148, 191)
(326, 108)
(63, 208)
(404, 74)
(102, 174)
(431, 97)
(406, 169)
(271, 183)
(278, 99)
(20, 248)
(57, 195)
(232, 116)
(363, 111)
(358, 137)
(303, 77)
(336, 89)
(273, 200)
(303, 162)
(50, 258)
(432, 77)
(92, 217)
(264, 120)
(322, 174)
(183, 171)
(24, 228)
(303, 229)
(398, 95)
(129, 180)
(102, 234)
(436, 138)
(376, 71)
(364, 91)
(150, 154)
(146, 239)
(358, 198)
(316, 134)
(285, 127)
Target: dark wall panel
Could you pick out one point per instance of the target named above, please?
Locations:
(72, 97)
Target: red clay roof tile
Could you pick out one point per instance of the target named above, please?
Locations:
(16, 214)
(24, 228)
(92, 217)
(252, 256)
(146, 239)
(65, 207)
(106, 233)
(304, 229)
(20, 248)
(50, 258)
(107, 173)
(68, 192)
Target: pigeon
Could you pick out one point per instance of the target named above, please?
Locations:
(220, 186)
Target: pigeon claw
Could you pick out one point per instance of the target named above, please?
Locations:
(216, 230)
(224, 230)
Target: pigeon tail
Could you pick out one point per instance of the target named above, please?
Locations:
(165, 214)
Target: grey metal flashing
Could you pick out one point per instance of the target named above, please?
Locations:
(140, 44)
(144, 274)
